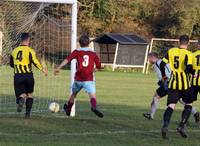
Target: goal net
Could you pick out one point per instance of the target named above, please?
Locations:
(161, 46)
(53, 35)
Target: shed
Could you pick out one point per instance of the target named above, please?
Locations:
(122, 50)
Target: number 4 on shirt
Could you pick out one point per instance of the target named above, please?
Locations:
(19, 56)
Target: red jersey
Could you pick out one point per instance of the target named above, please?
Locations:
(86, 59)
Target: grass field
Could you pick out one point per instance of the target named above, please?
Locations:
(123, 97)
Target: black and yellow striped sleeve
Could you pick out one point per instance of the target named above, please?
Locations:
(11, 61)
(166, 58)
(190, 58)
(34, 60)
(188, 63)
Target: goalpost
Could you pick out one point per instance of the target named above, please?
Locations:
(1, 45)
(154, 40)
(53, 28)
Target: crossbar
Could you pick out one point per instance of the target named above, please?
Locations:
(49, 1)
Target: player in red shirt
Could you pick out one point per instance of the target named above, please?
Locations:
(84, 78)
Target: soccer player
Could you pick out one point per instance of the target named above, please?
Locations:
(196, 76)
(163, 88)
(21, 60)
(180, 61)
(84, 78)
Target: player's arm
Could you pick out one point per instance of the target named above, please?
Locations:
(163, 63)
(36, 62)
(11, 61)
(65, 62)
(57, 70)
(188, 64)
(97, 63)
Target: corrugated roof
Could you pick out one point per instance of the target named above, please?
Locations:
(113, 38)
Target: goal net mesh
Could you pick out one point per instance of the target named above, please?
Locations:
(131, 55)
(50, 28)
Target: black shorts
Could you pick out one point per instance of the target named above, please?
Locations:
(23, 84)
(161, 92)
(196, 90)
(174, 96)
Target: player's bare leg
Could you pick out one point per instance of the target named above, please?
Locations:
(20, 102)
(93, 103)
(166, 120)
(29, 103)
(68, 106)
(154, 107)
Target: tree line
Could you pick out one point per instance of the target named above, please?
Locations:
(148, 18)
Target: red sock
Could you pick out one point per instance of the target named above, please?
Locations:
(93, 103)
(69, 106)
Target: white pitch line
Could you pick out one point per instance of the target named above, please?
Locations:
(66, 134)
(93, 133)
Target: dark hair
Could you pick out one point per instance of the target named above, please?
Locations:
(184, 39)
(84, 40)
(153, 54)
(24, 36)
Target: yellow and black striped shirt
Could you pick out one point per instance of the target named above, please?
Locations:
(178, 59)
(196, 67)
(22, 59)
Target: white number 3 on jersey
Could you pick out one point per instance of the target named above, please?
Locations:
(85, 61)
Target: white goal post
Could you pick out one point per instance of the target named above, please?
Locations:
(50, 1)
(1, 45)
(74, 10)
(114, 65)
(164, 40)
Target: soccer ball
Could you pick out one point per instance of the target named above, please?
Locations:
(54, 107)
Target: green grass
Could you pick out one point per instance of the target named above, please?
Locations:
(123, 97)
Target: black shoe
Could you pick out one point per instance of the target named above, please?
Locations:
(197, 117)
(27, 116)
(148, 116)
(164, 131)
(97, 112)
(181, 131)
(20, 104)
(65, 109)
